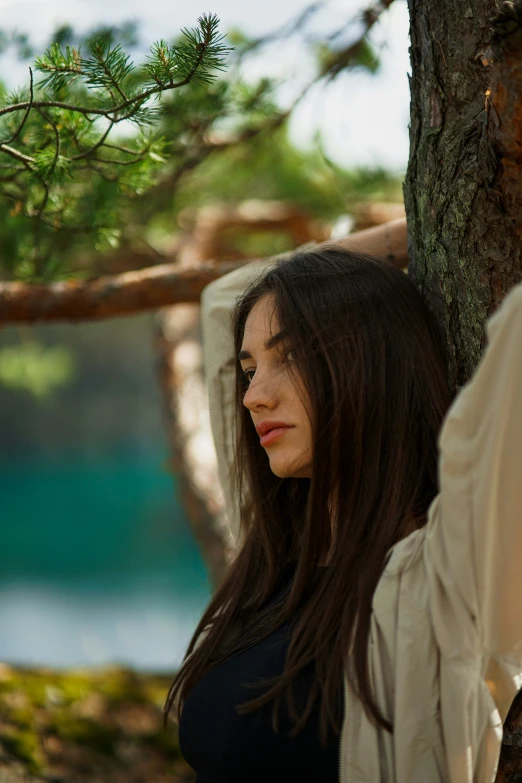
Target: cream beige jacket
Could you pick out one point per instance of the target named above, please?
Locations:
(446, 633)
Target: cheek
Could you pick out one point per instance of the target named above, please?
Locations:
(304, 431)
(305, 407)
(297, 390)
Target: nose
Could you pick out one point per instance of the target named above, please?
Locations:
(262, 393)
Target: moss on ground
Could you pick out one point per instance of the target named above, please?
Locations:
(100, 726)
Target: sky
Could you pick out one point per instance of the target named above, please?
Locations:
(363, 118)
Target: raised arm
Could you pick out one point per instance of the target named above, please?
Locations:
(217, 300)
(473, 547)
(387, 241)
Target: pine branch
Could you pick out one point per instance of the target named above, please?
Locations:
(61, 113)
(108, 68)
(26, 115)
(64, 69)
(107, 297)
(27, 160)
(341, 59)
(369, 16)
(101, 142)
(76, 93)
(191, 62)
(158, 286)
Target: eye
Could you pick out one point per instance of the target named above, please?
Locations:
(246, 376)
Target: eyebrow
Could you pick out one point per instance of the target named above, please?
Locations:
(274, 340)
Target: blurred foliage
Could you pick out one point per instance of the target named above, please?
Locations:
(35, 368)
(271, 167)
(19, 41)
(112, 382)
(55, 136)
(217, 137)
(104, 725)
(331, 60)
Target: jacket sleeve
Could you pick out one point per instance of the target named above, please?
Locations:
(217, 300)
(473, 544)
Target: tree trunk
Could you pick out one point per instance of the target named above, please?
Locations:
(463, 189)
(187, 424)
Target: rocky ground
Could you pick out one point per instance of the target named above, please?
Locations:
(86, 727)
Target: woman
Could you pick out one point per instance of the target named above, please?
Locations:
(370, 627)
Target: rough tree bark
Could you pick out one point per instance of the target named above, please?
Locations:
(463, 189)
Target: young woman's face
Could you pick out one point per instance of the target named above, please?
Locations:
(275, 394)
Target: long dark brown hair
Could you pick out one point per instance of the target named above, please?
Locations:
(373, 362)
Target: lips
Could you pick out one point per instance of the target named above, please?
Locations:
(273, 435)
(270, 431)
(266, 426)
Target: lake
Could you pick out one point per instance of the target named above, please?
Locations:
(97, 564)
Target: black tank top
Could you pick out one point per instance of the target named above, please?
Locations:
(224, 747)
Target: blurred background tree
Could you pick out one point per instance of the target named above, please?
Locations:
(198, 151)
(109, 168)
(97, 556)
(74, 194)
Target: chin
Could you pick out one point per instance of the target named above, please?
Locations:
(280, 472)
(289, 471)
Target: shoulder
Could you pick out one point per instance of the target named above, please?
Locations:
(405, 554)
(402, 584)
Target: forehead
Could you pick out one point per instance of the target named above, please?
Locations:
(262, 322)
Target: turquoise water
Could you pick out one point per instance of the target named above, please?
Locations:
(97, 563)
